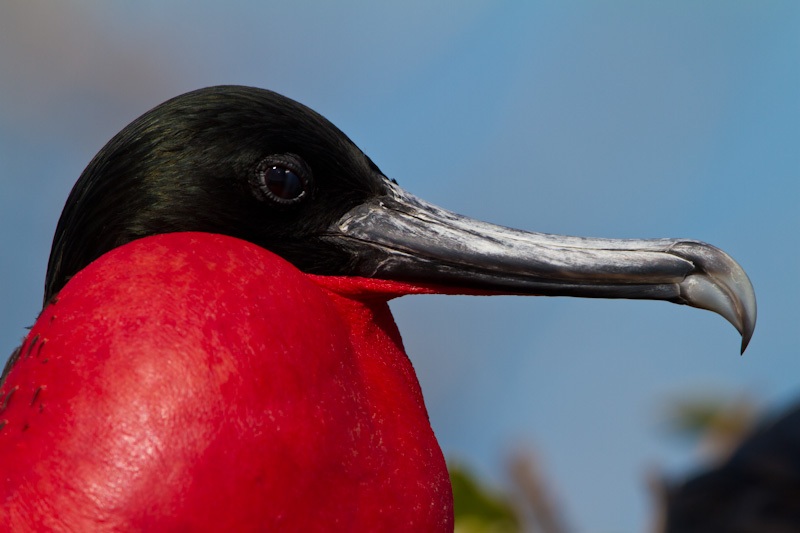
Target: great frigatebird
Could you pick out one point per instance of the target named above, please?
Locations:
(216, 351)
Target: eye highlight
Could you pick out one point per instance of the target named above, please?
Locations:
(282, 179)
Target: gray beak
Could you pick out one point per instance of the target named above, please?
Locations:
(401, 237)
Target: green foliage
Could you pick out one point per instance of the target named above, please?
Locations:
(477, 508)
(718, 423)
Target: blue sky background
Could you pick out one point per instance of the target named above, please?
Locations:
(616, 119)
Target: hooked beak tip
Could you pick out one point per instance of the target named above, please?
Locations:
(720, 285)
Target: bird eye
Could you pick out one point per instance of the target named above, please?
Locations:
(283, 183)
(283, 179)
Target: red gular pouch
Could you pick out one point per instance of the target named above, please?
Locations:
(193, 381)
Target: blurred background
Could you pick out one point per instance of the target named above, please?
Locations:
(620, 119)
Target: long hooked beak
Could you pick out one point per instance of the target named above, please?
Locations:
(401, 237)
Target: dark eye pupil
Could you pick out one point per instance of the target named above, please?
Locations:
(283, 183)
(282, 180)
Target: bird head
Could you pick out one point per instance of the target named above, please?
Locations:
(258, 166)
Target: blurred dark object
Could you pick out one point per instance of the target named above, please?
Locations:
(756, 490)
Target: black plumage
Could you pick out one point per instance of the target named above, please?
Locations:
(188, 165)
